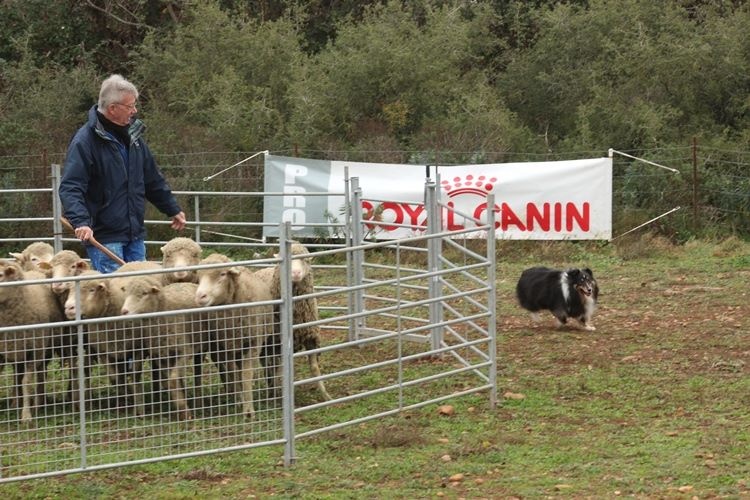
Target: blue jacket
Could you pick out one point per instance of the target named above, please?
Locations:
(98, 189)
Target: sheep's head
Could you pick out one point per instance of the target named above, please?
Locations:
(216, 286)
(95, 298)
(181, 252)
(64, 264)
(141, 296)
(301, 269)
(34, 255)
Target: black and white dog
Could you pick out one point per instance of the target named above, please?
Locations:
(567, 294)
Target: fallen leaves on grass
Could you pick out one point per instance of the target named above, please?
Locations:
(446, 410)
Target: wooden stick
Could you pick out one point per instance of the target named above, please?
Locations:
(93, 241)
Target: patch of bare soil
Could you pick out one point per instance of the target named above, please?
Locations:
(687, 324)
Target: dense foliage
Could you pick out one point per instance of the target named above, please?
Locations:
(459, 80)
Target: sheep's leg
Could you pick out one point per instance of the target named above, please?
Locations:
(159, 374)
(232, 379)
(41, 381)
(248, 369)
(177, 388)
(137, 388)
(198, 372)
(157, 379)
(27, 390)
(17, 396)
(114, 370)
(314, 360)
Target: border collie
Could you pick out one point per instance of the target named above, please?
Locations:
(567, 294)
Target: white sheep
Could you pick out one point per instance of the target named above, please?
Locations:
(304, 311)
(169, 341)
(180, 252)
(236, 335)
(26, 349)
(64, 264)
(118, 346)
(33, 255)
(183, 252)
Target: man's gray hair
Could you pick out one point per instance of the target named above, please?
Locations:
(113, 89)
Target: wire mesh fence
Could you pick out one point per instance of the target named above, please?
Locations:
(139, 371)
(712, 188)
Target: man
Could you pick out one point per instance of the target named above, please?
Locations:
(109, 174)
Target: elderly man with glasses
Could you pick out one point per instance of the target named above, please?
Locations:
(108, 176)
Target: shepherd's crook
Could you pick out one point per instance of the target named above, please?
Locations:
(109, 253)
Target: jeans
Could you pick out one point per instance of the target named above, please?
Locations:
(128, 251)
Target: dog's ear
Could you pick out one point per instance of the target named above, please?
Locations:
(589, 271)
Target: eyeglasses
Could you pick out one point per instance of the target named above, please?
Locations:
(129, 106)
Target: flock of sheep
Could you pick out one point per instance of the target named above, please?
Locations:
(234, 340)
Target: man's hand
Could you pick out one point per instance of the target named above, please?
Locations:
(83, 233)
(179, 221)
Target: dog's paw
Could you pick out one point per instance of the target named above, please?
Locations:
(590, 328)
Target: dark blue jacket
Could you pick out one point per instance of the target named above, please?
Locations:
(99, 190)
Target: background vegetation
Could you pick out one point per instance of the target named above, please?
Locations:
(420, 81)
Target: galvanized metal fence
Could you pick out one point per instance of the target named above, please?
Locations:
(403, 324)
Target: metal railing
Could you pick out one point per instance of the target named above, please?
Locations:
(419, 315)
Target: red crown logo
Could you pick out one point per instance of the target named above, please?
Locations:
(469, 185)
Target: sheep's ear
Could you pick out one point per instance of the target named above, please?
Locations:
(102, 287)
(162, 249)
(234, 271)
(44, 266)
(81, 266)
(155, 289)
(17, 256)
(11, 271)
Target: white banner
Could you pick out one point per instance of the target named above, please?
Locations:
(555, 200)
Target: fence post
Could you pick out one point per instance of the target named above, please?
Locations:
(287, 342)
(56, 208)
(492, 300)
(434, 247)
(695, 184)
(357, 297)
(197, 218)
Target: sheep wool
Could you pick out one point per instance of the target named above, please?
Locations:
(25, 349)
(169, 341)
(305, 310)
(236, 335)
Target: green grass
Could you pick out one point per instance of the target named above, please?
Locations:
(653, 404)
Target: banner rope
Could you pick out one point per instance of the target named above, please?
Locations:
(646, 223)
(674, 170)
(208, 178)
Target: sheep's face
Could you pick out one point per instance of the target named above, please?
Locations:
(66, 269)
(181, 252)
(37, 261)
(35, 256)
(300, 270)
(94, 300)
(141, 296)
(216, 286)
(182, 257)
